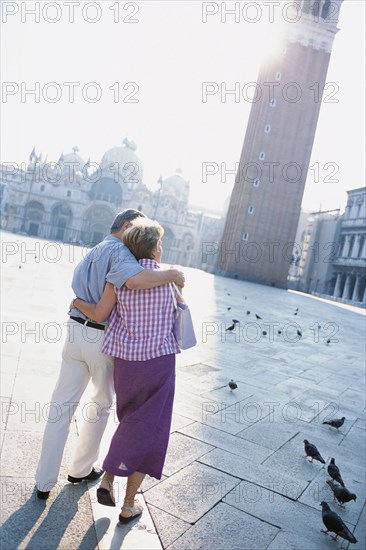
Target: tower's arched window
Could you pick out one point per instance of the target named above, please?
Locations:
(326, 7)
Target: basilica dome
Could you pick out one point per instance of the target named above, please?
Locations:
(176, 186)
(124, 162)
(73, 161)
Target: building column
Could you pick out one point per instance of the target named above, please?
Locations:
(364, 296)
(356, 246)
(363, 253)
(345, 250)
(356, 290)
(347, 288)
(337, 287)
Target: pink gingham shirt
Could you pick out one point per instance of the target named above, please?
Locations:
(141, 324)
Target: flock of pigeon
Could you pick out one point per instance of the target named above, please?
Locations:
(332, 521)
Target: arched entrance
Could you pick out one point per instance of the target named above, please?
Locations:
(98, 220)
(61, 221)
(34, 217)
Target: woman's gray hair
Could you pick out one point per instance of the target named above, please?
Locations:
(125, 216)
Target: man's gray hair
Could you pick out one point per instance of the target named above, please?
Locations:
(125, 216)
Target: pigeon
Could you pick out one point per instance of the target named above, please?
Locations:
(236, 321)
(229, 308)
(328, 341)
(248, 312)
(299, 333)
(258, 317)
(228, 294)
(279, 332)
(313, 452)
(231, 327)
(297, 309)
(335, 524)
(20, 267)
(334, 472)
(336, 422)
(232, 385)
(264, 333)
(342, 494)
(295, 313)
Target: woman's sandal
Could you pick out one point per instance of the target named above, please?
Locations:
(106, 496)
(135, 510)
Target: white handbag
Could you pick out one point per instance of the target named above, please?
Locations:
(183, 329)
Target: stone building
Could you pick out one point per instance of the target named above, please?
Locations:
(349, 279)
(75, 201)
(333, 253)
(265, 204)
(318, 250)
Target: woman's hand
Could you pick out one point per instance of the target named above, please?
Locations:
(100, 311)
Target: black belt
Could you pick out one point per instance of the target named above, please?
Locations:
(88, 323)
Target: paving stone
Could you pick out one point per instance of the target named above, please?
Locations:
(9, 363)
(150, 482)
(183, 450)
(220, 529)
(191, 492)
(360, 531)
(140, 534)
(355, 442)
(63, 521)
(234, 418)
(226, 441)
(291, 457)
(277, 480)
(228, 398)
(179, 422)
(269, 433)
(360, 423)
(266, 379)
(26, 446)
(288, 540)
(7, 384)
(277, 510)
(353, 398)
(199, 369)
(314, 374)
(169, 527)
(294, 386)
(193, 406)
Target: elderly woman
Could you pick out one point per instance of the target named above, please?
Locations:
(141, 340)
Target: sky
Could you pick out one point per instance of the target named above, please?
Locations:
(148, 61)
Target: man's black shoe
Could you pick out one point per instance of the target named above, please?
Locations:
(43, 495)
(96, 473)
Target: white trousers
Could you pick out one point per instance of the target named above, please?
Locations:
(82, 360)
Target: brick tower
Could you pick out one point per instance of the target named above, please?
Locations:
(265, 203)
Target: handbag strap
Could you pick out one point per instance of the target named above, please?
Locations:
(173, 296)
(177, 291)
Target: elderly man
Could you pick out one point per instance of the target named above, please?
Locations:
(82, 358)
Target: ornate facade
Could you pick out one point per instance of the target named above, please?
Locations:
(333, 253)
(75, 201)
(349, 279)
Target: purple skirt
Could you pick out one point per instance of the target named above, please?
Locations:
(144, 400)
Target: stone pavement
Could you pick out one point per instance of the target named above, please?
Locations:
(235, 475)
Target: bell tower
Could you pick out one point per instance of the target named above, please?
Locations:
(264, 208)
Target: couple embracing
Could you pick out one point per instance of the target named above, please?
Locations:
(125, 298)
